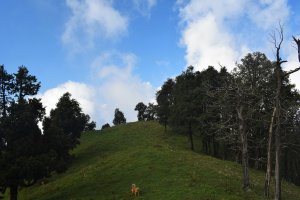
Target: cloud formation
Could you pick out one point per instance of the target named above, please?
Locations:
(114, 86)
(92, 19)
(209, 28)
(82, 92)
(119, 87)
(267, 13)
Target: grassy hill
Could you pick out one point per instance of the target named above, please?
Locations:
(161, 164)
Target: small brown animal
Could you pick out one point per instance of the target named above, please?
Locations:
(135, 190)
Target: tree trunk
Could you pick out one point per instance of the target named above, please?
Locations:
(277, 165)
(277, 131)
(269, 156)
(190, 133)
(216, 148)
(13, 192)
(286, 165)
(244, 142)
(208, 146)
(224, 152)
(257, 158)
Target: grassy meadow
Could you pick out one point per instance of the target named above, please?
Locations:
(160, 163)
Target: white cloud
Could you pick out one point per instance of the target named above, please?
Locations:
(114, 86)
(206, 44)
(267, 13)
(82, 92)
(293, 63)
(207, 40)
(212, 31)
(195, 9)
(119, 87)
(92, 19)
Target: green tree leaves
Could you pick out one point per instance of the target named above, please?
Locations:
(119, 117)
(27, 155)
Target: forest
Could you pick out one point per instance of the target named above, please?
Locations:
(250, 115)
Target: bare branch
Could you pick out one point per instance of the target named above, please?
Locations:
(298, 45)
(295, 40)
(292, 71)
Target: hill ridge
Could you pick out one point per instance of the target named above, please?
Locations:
(107, 162)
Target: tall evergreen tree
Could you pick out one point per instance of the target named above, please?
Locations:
(22, 159)
(5, 90)
(24, 84)
(185, 110)
(65, 124)
(165, 100)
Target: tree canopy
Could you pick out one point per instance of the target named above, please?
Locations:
(231, 112)
(119, 117)
(27, 154)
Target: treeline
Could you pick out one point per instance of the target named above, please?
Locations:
(231, 113)
(26, 153)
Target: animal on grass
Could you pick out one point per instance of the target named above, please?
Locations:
(135, 190)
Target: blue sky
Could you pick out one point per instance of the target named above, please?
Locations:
(116, 53)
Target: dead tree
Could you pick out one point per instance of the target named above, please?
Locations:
(276, 119)
(269, 156)
(244, 143)
(239, 109)
(298, 45)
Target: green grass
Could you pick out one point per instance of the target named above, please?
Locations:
(161, 164)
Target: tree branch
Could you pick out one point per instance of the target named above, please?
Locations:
(298, 45)
(292, 71)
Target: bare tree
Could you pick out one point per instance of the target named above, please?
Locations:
(269, 156)
(298, 44)
(276, 119)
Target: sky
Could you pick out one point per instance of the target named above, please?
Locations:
(115, 53)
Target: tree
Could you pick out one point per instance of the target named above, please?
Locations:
(242, 102)
(25, 162)
(185, 110)
(104, 126)
(209, 82)
(297, 41)
(22, 158)
(119, 117)
(69, 117)
(141, 108)
(165, 100)
(254, 88)
(277, 116)
(5, 90)
(90, 126)
(24, 84)
(151, 112)
(62, 131)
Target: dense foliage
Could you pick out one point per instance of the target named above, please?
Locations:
(104, 126)
(231, 112)
(27, 154)
(62, 130)
(146, 113)
(119, 117)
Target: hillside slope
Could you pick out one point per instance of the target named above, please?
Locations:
(108, 162)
